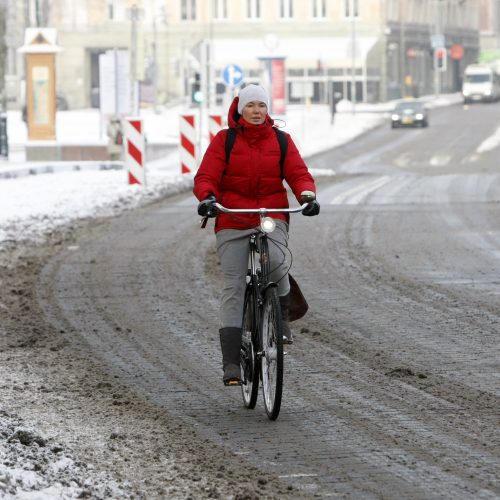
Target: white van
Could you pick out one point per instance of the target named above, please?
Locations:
(481, 83)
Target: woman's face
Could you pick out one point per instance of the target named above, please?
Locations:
(255, 112)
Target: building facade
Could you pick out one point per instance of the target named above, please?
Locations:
(368, 49)
(489, 26)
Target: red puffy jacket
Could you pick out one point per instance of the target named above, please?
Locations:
(252, 177)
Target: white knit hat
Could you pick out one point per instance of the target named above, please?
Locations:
(252, 93)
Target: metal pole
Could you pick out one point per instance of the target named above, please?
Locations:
(204, 79)
(117, 82)
(402, 68)
(210, 90)
(437, 74)
(37, 14)
(155, 67)
(383, 36)
(133, 59)
(353, 57)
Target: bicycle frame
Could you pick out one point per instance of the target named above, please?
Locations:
(262, 345)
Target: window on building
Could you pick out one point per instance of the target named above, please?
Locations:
(220, 9)
(286, 9)
(319, 9)
(188, 10)
(253, 9)
(111, 11)
(115, 11)
(351, 8)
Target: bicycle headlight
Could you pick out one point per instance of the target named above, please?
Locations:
(267, 224)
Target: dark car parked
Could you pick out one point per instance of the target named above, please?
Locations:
(410, 114)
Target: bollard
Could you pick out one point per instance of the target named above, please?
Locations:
(135, 150)
(188, 143)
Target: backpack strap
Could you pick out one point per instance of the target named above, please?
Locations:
(280, 135)
(230, 140)
(283, 142)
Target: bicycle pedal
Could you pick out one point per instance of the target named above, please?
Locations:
(232, 382)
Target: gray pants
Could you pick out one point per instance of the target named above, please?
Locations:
(232, 249)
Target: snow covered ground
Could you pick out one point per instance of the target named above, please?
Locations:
(33, 204)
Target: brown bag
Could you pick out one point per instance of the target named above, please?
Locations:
(298, 303)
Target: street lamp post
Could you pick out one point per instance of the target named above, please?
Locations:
(351, 13)
(155, 67)
(402, 50)
(440, 42)
(134, 16)
(353, 60)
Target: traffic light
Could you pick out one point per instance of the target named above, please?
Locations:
(440, 58)
(196, 94)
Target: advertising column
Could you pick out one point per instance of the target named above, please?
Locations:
(40, 49)
(275, 81)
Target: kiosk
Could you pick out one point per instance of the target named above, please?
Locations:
(40, 48)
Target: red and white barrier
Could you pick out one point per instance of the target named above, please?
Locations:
(135, 146)
(214, 125)
(188, 143)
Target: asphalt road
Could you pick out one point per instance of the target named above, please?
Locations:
(392, 386)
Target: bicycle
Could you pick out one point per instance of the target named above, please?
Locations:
(261, 354)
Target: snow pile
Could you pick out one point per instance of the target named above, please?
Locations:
(33, 206)
(34, 467)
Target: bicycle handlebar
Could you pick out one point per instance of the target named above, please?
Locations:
(261, 211)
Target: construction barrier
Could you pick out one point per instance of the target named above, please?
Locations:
(135, 150)
(188, 143)
(214, 125)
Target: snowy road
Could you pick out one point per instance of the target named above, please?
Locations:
(390, 388)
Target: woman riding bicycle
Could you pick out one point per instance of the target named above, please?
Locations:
(252, 178)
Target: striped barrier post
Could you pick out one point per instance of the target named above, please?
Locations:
(188, 143)
(134, 150)
(214, 125)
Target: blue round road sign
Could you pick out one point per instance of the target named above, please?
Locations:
(232, 75)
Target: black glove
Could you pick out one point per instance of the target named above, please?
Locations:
(311, 209)
(206, 208)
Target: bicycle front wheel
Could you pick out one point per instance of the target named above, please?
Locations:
(272, 353)
(248, 353)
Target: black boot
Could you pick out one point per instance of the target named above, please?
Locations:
(230, 342)
(287, 333)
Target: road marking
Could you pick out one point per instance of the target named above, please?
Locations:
(490, 143)
(440, 160)
(470, 159)
(356, 194)
(403, 160)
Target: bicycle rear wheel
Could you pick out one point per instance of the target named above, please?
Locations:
(248, 358)
(272, 353)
